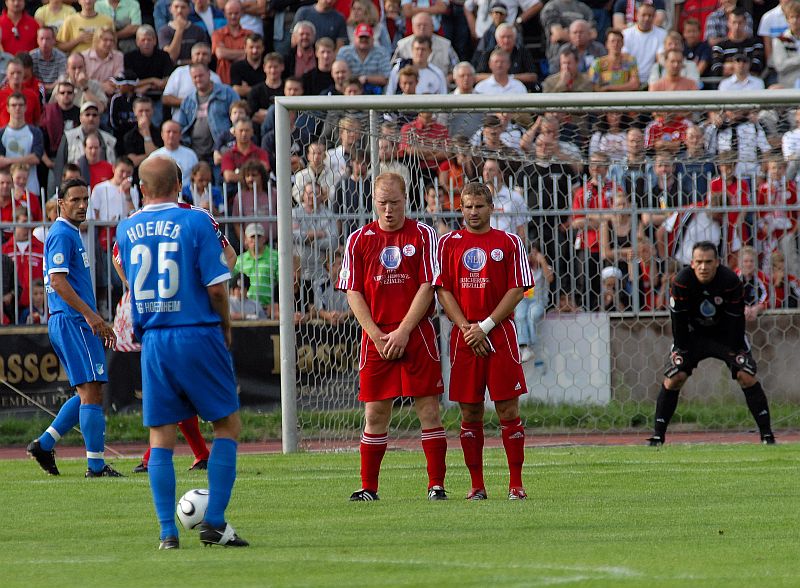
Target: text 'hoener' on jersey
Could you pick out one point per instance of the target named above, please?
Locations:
(480, 268)
(388, 266)
(170, 255)
(714, 310)
(64, 253)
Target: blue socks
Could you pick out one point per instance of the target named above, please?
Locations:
(93, 427)
(66, 418)
(221, 476)
(162, 484)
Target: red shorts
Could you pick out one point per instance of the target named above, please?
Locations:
(500, 372)
(417, 373)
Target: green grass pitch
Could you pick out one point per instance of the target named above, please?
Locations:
(684, 515)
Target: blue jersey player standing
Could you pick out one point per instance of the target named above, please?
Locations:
(77, 333)
(171, 258)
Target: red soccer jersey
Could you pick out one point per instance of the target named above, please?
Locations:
(588, 197)
(665, 130)
(388, 268)
(774, 223)
(478, 269)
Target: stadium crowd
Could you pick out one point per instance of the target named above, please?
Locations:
(92, 90)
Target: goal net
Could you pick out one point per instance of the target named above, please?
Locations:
(608, 193)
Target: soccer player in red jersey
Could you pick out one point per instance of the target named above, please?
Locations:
(483, 273)
(387, 272)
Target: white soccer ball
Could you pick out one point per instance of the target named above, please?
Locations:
(191, 509)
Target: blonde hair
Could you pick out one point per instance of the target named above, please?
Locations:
(98, 34)
(371, 13)
(390, 178)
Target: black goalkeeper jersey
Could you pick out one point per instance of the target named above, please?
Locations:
(714, 310)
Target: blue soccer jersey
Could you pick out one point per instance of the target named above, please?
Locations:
(170, 255)
(64, 253)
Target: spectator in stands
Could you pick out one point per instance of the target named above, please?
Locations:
(625, 13)
(20, 172)
(21, 142)
(776, 225)
(241, 306)
(203, 115)
(616, 71)
(484, 15)
(318, 80)
(53, 14)
(435, 205)
(609, 136)
(140, 141)
(127, 17)
(635, 163)
(327, 23)
(260, 264)
(738, 40)
(521, 64)
(120, 111)
(462, 123)
(660, 189)
(161, 15)
(510, 209)
(94, 168)
(330, 303)
(183, 156)
(549, 124)
(337, 158)
(407, 81)
(735, 190)
(249, 72)
(354, 193)
(567, 78)
(340, 76)
(302, 58)
(790, 147)
(14, 84)
(207, 16)
(367, 61)
(556, 16)
(530, 311)
(102, 60)
(755, 284)
(365, 12)
(582, 42)
(738, 131)
(643, 40)
(75, 35)
(497, 15)
(741, 78)
(228, 42)
(785, 58)
(500, 82)
(86, 89)
(784, 287)
(48, 62)
(243, 150)
(443, 55)
(615, 297)
(431, 79)
(256, 199)
(36, 312)
(315, 172)
(315, 232)
(596, 192)
(179, 36)
(617, 234)
(59, 116)
(18, 28)
(423, 145)
(673, 79)
(152, 67)
(27, 256)
(695, 48)
(262, 96)
(673, 42)
(717, 23)
(696, 167)
(772, 26)
(201, 192)
(302, 127)
(71, 148)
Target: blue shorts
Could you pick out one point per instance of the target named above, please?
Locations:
(186, 371)
(80, 351)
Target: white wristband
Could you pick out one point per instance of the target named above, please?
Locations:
(486, 324)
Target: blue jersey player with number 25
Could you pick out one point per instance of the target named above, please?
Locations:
(177, 274)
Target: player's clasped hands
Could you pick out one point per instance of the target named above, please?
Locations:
(394, 344)
(477, 339)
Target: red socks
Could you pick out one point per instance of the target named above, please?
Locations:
(434, 444)
(191, 430)
(514, 442)
(472, 445)
(373, 448)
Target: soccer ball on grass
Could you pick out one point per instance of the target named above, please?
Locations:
(192, 507)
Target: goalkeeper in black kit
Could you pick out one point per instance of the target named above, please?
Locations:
(707, 309)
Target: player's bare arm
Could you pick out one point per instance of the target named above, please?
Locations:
(364, 317)
(218, 295)
(59, 283)
(397, 340)
(504, 309)
(456, 315)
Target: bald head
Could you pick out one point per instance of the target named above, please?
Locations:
(158, 179)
